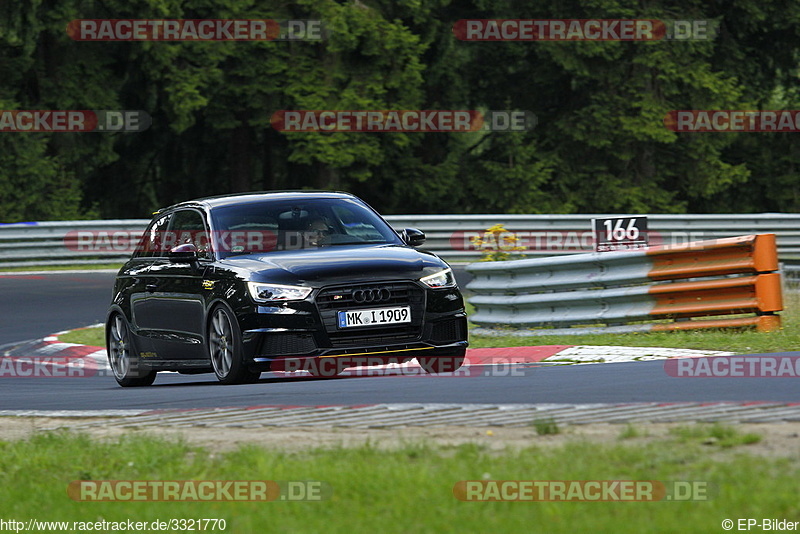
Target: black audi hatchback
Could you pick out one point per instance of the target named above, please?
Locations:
(241, 284)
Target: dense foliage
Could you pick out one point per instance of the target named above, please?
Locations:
(600, 145)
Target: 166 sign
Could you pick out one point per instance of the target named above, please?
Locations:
(620, 233)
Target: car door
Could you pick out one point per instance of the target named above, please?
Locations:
(175, 301)
(132, 282)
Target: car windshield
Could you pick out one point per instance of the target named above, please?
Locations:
(296, 224)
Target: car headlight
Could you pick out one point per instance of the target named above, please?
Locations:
(276, 293)
(439, 280)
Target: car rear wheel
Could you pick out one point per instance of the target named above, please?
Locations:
(225, 349)
(125, 366)
(440, 364)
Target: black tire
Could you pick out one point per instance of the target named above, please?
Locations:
(225, 349)
(440, 364)
(119, 345)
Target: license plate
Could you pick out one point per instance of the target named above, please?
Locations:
(377, 316)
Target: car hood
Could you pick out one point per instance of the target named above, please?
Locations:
(338, 264)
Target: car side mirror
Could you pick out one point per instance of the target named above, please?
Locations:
(186, 252)
(413, 237)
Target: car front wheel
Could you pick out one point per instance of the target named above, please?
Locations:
(124, 364)
(225, 349)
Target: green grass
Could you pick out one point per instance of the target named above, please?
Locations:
(717, 434)
(405, 490)
(94, 336)
(75, 267)
(734, 340)
(546, 426)
(630, 432)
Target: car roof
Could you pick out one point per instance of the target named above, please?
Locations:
(246, 198)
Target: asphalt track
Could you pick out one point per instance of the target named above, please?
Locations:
(37, 305)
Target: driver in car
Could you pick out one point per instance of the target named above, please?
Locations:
(317, 231)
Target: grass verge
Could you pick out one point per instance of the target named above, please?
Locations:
(409, 489)
(745, 341)
(94, 336)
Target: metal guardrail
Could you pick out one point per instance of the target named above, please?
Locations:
(702, 279)
(57, 243)
(46, 243)
(551, 235)
(790, 275)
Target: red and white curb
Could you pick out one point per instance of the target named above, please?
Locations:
(429, 415)
(612, 354)
(50, 357)
(493, 361)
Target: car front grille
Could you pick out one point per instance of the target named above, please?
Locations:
(448, 330)
(279, 344)
(332, 300)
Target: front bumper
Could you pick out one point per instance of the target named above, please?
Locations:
(364, 358)
(308, 330)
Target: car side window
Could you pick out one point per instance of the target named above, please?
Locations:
(188, 226)
(152, 243)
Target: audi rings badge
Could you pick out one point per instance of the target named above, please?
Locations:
(364, 296)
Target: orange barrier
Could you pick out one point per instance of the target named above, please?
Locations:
(760, 294)
(702, 280)
(734, 255)
(763, 323)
